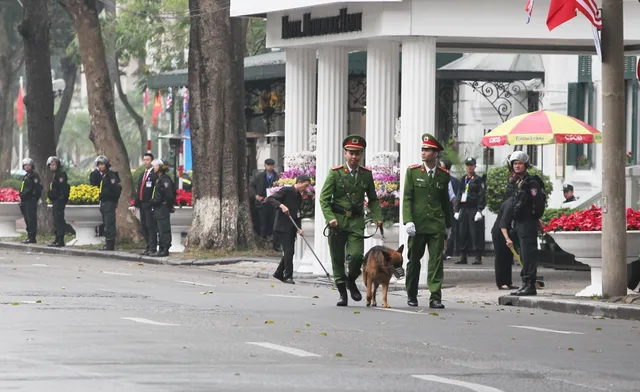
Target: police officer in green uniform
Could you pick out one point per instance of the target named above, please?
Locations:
(342, 203)
(59, 195)
(163, 201)
(30, 192)
(110, 190)
(427, 214)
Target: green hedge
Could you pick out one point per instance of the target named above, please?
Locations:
(12, 183)
(497, 180)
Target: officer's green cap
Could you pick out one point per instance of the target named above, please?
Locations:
(429, 141)
(354, 142)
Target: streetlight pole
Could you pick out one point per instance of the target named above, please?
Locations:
(614, 226)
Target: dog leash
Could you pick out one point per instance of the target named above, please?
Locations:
(328, 231)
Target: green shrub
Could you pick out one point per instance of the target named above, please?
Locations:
(12, 183)
(497, 180)
(551, 213)
(77, 177)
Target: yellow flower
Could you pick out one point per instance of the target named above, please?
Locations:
(84, 194)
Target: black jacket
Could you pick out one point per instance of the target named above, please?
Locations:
(147, 188)
(110, 188)
(164, 192)
(259, 185)
(475, 197)
(291, 198)
(95, 177)
(59, 188)
(31, 188)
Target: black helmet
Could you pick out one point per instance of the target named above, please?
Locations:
(102, 159)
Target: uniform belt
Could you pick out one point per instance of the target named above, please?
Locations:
(348, 213)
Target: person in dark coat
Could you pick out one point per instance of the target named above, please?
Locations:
(110, 191)
(286, 202)
(30, 192)
(258, 191)
(142, 201)
(58, 193)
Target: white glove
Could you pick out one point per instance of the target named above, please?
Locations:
(478, 216)
(448, 232)
(456, 215)
(411, 229)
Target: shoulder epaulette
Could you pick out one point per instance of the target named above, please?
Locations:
(365, 168)
(417, 165)
(444, 170)
(338, 167)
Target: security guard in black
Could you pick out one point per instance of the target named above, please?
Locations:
(163, 201)
(59, 195)
(30, 193)
(110, 190)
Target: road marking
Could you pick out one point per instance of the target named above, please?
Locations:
(195, 283)
(464, 384)
(398, 310)
(546, 330)
(39, 265)
(145, 321)
(286, 296)
(288, 350)
(28, 302)
(115, 273)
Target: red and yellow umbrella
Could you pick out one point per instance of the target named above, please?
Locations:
(542, 127)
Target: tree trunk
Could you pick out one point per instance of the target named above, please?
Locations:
(216, 109)
(132, 112)
(69, 74)
(105, 134)
(10, 62)
(38, 101)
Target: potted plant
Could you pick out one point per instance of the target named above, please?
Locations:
(9, 212)
(580, 233)
(83, 213)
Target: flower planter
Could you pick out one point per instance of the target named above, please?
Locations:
(180, 223)
(9, 214)
(84, 219)
(586, 246)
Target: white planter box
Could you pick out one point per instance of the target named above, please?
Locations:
(84, 219)
(9, 214)
(586, 246)
(180, 223)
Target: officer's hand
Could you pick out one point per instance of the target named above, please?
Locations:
(333, 223)
(258, 197)
(284, 209)
(478, 216)
(448, 232)
(456, 215)
(411, 229)
(379, 223)
(301, 233)
(509, 243)
(132, 209)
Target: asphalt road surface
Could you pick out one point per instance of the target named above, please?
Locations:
(78, 324)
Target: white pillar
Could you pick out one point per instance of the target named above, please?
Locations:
(417, 111)
(300, 98)
(332, 129)
(383, 74)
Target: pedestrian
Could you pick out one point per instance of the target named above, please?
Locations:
(30, 192)
(342, 204)
(287, 203)
(528, 206)
(428, 214)
(454, 185)
(258, 191)
(59, 195)
(142, 202)
(567, 190)
(110, 190)
(471, 203)
(163, 200)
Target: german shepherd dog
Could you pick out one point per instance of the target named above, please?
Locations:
(378, 267)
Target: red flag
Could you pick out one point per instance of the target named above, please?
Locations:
(560, 11)
(19, 108)
(157, 109)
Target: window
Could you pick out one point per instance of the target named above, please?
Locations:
(631, 108)
(580, 104)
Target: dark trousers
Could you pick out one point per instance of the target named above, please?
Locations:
(29, 209)
(469, 233)
(267, 215)
(163, 221)
(108, 211)
(527, 237)
(149, 227)
(287, 240)
(453, 240)
(504, 259)
(58, 217)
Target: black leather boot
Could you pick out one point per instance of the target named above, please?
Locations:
(344, 300)
(109, 245)
(353, 288)
(54, 243)
(30, 240)
(162, 253)
(526, 290)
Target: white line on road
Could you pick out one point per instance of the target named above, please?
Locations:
(398, 310)
(115, 273)
(195, 283)
(285, 349)
(286, 296)
(39, 265)
(145, 321)
(464, 384)
(546, 330)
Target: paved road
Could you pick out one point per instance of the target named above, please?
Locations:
(108, 326)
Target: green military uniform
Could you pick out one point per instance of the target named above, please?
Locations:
(110, 190)
(163, 201)
(426, 204)
(342, 199)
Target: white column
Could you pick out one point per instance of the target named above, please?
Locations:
(300, 98)
(417, 112)
(383, 74)
(332, 129)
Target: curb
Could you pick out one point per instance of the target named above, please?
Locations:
(581, 307)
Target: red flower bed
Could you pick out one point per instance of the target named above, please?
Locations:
(589, 220)
(9, 195)
(183, 198)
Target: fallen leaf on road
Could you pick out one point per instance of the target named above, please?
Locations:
(64, 288)
(269, 322)
(247, 318)
(419, 310)
(570, 349)
(141, 264)
(598, 329)
(15, 303)
(315, 296)
(433, 314)
(338, 354)
(370, 361)
(308, 325)
(441, 318)
(39, 301)
(272, 286)
(297, 330)
(460, 302)
(356, 312)
(533, 314)
(323, 334)
(206, 292)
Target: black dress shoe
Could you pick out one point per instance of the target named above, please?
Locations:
(518, 289)
(145, 252)
(477, 261)
(436, 304)
(527, 290)
(412, 302)
(344, 300)
(461, 261)
(353, 288)
(278, 276)
(30, 240)
(289, 281)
